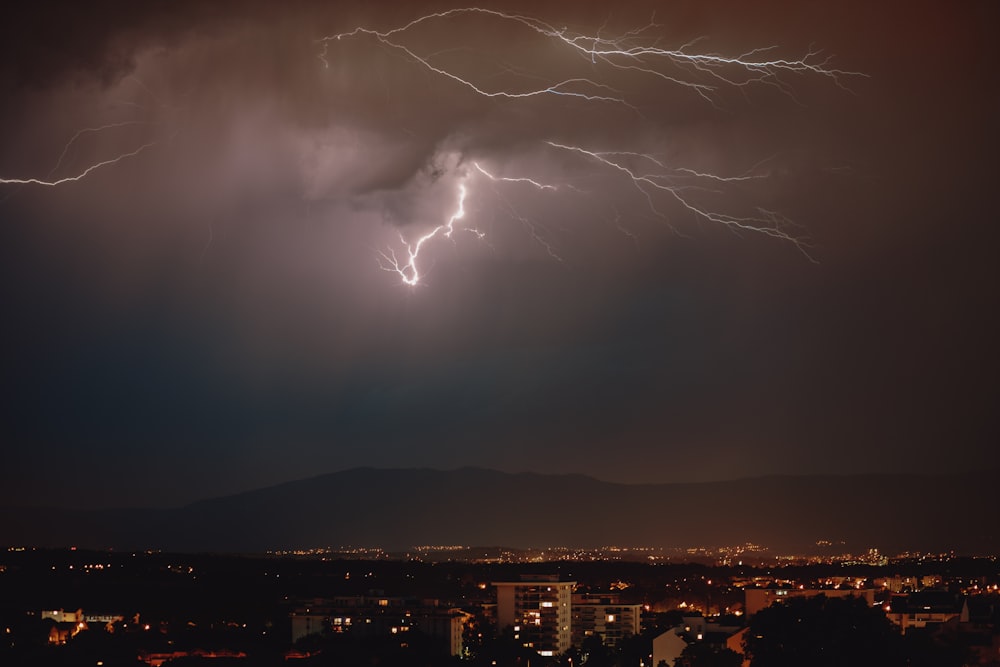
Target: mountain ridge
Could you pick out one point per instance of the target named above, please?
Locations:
(395, 508)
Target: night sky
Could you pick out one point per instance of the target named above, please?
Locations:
(212, 313)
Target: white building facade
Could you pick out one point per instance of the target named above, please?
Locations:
(538, 611)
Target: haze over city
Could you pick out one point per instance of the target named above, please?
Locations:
(653, 333)
(804, 283)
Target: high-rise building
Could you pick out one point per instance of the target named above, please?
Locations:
(537, 610)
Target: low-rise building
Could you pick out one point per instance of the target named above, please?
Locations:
(612, 622)
(379, 615)
(926, 608)
(668, 646)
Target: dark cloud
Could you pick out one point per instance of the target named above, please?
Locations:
(210, 315)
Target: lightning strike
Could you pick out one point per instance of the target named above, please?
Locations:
(768, 223)
(90, 130)
(540, 186)
(408, 270)
(513, 212)
(635, 50)
(82, 174)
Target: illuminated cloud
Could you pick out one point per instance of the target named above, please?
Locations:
(216, 291)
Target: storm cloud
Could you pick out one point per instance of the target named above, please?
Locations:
(212, 314)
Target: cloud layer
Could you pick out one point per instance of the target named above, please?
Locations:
(211, 314)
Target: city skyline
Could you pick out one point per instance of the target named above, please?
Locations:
(765, 247)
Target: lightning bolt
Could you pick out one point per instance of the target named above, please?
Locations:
(540, 186)
(408, 270)
(763, 221)
(636, 51)
(48, 181)
(531, 226)
(83, 174)
(90, 130)
(407, 266)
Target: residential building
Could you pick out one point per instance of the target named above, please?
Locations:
(668, 647)
(537, 609)
(606, 618)
(926, 608)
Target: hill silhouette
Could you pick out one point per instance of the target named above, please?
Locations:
(398, 508)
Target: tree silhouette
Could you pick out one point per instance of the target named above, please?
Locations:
(823, 632)
(701, 654)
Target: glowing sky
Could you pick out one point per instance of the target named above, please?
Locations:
(213, 311)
